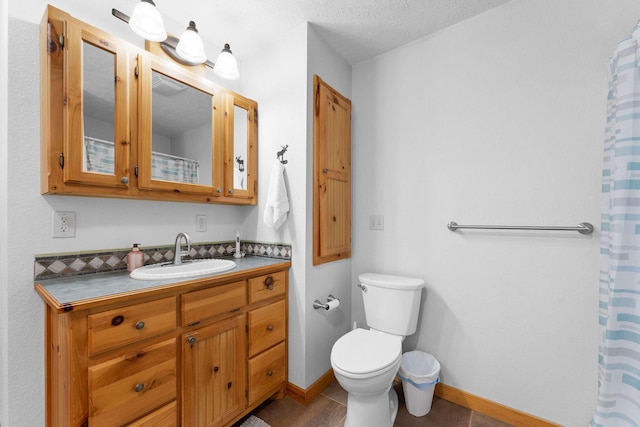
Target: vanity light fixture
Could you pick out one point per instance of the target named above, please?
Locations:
(190, 47)
(188, 50)
(147, 22)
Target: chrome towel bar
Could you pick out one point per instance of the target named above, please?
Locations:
(582, 228)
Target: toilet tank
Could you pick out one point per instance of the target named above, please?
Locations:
(391, 303)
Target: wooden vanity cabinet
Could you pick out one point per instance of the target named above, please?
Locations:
(120, 121)
(204, 353)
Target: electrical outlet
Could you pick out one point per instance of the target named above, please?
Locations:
(376, 222)
(64, 224)
(201, 223)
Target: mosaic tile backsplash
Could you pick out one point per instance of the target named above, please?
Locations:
(75, 264)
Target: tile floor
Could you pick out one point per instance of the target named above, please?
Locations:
(329, 410)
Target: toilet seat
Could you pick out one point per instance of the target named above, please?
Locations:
(364, 353)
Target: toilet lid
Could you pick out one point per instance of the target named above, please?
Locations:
(362, 351)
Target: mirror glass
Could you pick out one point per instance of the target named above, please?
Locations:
(182, 145)
(98, 110)
(240, 141)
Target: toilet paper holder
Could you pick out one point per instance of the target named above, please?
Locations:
(317, 304)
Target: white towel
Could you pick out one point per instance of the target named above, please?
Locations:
(275, 213)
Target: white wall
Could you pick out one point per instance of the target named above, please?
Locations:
(334, 278)
(276, 78)
(4, 161)
(282, 80)
(497, 120)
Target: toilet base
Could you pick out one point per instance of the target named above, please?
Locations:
(372, 411)
(393, 404)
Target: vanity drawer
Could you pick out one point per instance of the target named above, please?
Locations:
(266, 372)
(166, 417)
(114, 328)
(127, 387)
(266, 327)
(199, 305)
(267, 286)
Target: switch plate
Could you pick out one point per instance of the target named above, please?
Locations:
(376, 222)
(201, 223)
(64, 224)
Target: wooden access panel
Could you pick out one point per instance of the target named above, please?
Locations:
(332, 174)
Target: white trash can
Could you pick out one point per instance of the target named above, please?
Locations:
(419, 374)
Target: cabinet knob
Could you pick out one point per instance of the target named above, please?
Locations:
(229, 385)
(270, 373)
(117, 320)
(218, 190)
(191, 340)
(140, 325)
(216, 368)
(139, 387)
(268, 282)
(231, 191)
(124, 180)
(270, 328)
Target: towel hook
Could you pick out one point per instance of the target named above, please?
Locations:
(280, 154)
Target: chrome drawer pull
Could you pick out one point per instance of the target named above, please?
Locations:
(140, 325)
(270, 373)
(270, 328)
(139, 387)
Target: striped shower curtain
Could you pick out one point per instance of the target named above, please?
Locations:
(619, 351)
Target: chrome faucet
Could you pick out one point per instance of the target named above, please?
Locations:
(178, 253)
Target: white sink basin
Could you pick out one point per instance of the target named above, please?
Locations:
(187, 269)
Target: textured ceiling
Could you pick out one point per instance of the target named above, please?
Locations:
(357, 29)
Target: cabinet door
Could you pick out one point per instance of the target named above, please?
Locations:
(331, 174)
(180, 137)
(213, 380)
(96, 125)
(241, 147)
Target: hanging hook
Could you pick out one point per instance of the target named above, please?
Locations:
(280, 154)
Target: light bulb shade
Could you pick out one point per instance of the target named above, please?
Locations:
(190, 47)
(226, 65)
(147, 22)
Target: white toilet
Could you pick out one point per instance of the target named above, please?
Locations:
(365, 362)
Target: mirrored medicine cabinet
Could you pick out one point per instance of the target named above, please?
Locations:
(119, 121)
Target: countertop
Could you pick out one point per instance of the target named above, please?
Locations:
(85, 291)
